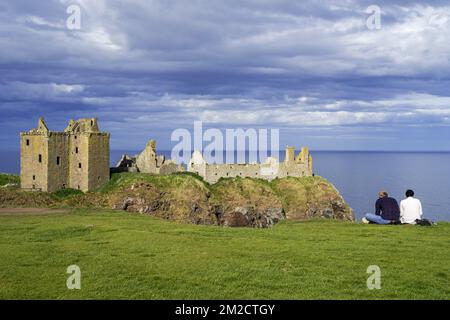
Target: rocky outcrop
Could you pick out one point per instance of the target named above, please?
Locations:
(235, 202)
(188, 205)
(251, 217)
(312, 197)
(186, 198)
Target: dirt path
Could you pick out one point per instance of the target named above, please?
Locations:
(30, 211)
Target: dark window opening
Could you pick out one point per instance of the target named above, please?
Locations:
(78, 187)
(92, 123)
(58, 160)
(75, 137)
(79, 165)
(28, 142)
(34, 177)
(40, 158)
(64, 186)
(76, 149)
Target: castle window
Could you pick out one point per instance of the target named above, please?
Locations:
(64, 186)
(92, 123)
(75, 137)
(78, 187)
(28, 142)
(58, 160)
(76, 149)
(79, 165)
(34, 177)
(40, 158)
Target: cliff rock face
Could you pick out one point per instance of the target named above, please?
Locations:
(312, 197)
(186, 198)
(233, 202)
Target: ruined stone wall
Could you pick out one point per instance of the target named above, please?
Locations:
(271, 169)
(33, 174)
(147, 160)
(214, 172)
(98, 160)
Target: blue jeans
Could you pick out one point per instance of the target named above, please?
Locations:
(377, 219)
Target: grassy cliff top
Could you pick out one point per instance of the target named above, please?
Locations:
(186, 197)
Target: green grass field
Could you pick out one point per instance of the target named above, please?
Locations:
(125, 256)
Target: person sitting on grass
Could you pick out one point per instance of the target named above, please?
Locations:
(410, 209)
(387, 211)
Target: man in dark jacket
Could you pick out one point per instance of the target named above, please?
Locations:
(387, 210)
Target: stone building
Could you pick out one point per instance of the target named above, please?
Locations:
(292, 166)
(76, 158)
(147, 162)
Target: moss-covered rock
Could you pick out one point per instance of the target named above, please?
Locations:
(186, 198)
(311, 197)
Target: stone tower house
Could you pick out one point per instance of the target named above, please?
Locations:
(77, 158)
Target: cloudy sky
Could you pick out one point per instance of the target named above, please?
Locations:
(313, 69)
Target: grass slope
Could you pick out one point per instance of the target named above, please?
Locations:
(139, 257)
(6, 178)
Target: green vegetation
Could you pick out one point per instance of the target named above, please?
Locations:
(6, 179)
(186, 197)
(67, 193)
(123, 255)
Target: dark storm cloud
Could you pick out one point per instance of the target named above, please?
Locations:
(313, 68)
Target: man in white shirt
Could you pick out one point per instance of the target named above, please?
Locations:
(410, 208)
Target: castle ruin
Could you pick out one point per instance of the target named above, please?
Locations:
(77, 158)
(147, 162)
(292, 166)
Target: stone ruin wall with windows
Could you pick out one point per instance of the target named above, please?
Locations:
(292, 166)
(148, 161)
(77, 158)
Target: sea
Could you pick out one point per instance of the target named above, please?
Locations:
(358, 175)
